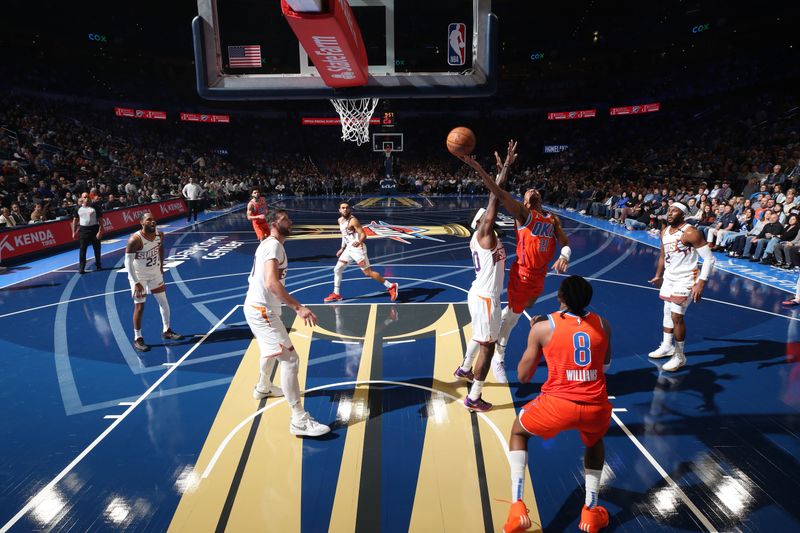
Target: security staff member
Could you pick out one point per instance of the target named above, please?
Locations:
(192, 193)
(88, 226)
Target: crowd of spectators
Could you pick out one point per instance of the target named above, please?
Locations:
(734, 163)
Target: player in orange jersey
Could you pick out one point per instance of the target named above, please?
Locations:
(257, 213)
(537, 232)
(577, 347)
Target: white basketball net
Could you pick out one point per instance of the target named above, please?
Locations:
(355, 115)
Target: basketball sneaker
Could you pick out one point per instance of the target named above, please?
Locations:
(466, 375)
(518, 519)
(594, 519)
(499, 370)
(171, 335)
(664, 350)
(272, 392)
(306, 426)
(393, 291)
(477, 405)
(139, 345)
(332, 297)
(675, 362)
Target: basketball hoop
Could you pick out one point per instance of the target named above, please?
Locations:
(354, 116)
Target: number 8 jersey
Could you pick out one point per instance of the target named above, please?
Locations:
(575, 356)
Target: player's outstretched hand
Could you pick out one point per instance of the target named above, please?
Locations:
(560, 265)
(511, 155)
(339, 252)
(657, 281)
(307, 315)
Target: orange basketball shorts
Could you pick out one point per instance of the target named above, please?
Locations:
(261, 229)
(524, 287)
(546, 416)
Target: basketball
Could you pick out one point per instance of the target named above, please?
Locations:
(460, 141)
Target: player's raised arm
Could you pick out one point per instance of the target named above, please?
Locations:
(486, 230)
(514, 207)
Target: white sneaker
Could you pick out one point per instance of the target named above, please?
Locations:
(273, 392)
(499, 370)
(662, 351)
(677, 361)
(306, 426)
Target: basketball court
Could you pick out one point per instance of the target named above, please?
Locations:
(99, 436)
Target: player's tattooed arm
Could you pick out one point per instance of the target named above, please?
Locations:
(515, 208)
(537, 338)
(659, 277)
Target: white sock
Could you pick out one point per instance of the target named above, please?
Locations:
(337, 278)
(470, 355)
(137, 334)
(667, 339)
(476, 390)
(387, 283)
(508, 319)
(163, 307)
(518, 459)
(679, 346)
(592, 487)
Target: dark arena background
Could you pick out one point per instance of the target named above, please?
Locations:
(619, 109)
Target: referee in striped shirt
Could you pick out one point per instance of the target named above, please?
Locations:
(87, 225)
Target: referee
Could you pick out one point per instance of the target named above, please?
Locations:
(87, 225)
(191, 193)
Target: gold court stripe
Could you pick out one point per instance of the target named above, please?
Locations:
(202, 503)
(343, 514)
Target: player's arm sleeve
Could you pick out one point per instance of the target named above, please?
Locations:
(129, 257)
(708, 262)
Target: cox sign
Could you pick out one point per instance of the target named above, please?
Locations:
(98, 38)
(701, 28)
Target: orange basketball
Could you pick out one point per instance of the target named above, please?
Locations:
(460, 141)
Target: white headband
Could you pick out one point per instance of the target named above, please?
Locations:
(683, 208)
(478, 216)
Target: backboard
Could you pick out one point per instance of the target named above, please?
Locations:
(245, 50)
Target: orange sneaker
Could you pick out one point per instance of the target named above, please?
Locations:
(333, 297)
(518, 519)
(594, 519)
(393, 291)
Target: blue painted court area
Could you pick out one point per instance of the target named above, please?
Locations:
(100, 437)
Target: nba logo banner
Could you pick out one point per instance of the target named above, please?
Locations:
(456, 44)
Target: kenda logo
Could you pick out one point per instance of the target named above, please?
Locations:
(172, 207)
(5, 245)
(43, 237)
(133, 216)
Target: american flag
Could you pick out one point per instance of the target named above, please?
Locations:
(246, 56)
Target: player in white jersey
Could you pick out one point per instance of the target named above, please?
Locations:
(262, 309)
(489, 259)
(144, 261)
(354, 248)
(676, 275)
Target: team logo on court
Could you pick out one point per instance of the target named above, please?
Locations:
(456, 44)
(382, 230)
